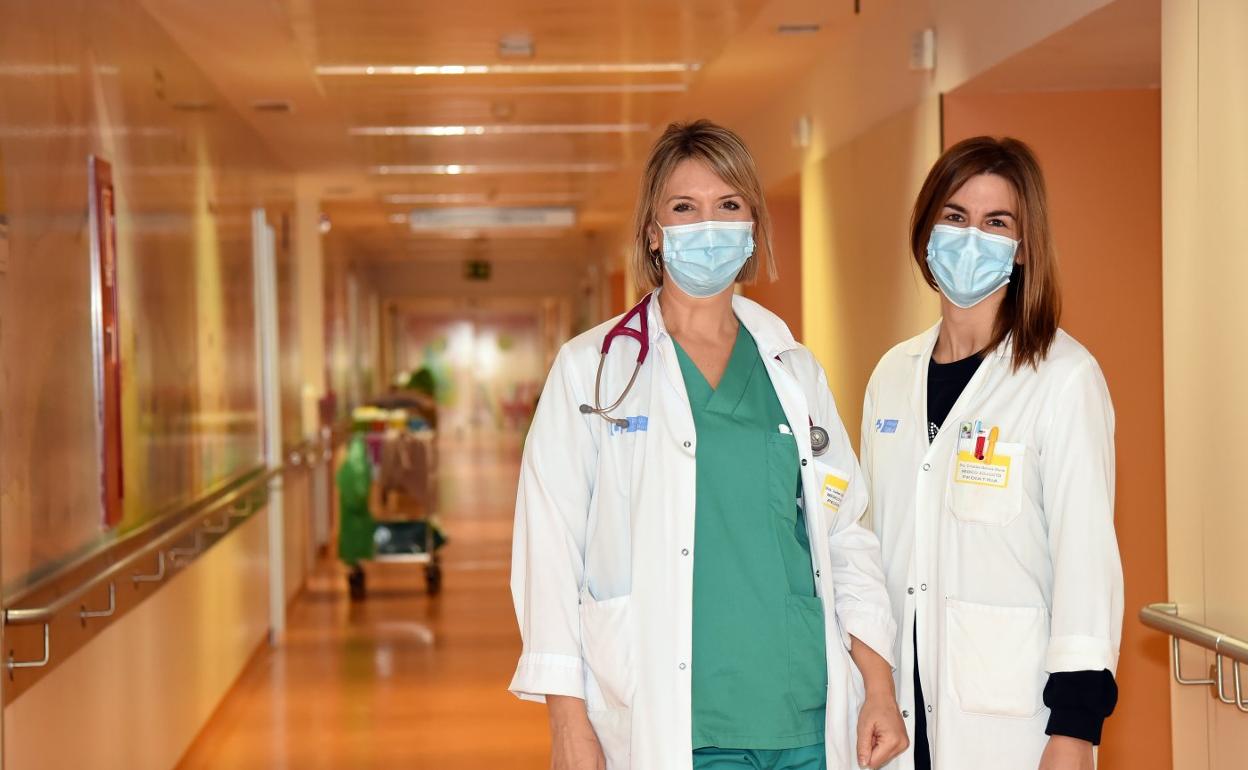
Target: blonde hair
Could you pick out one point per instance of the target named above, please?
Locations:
(723, 152)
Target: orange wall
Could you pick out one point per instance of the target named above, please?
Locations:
(784, 297)
(1101, 154)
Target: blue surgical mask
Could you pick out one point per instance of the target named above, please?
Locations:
(969, 264)
(705, 258)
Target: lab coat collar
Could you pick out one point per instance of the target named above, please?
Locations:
(771, 335)
(923, 344)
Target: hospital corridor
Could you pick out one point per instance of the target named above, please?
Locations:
(623, 384)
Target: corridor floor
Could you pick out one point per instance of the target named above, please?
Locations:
(401, 680)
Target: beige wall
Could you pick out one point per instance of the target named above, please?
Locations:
(861, 293)
(1205, 193)
(784, 297)
(135, 696)
(1102, 162)
(103, 78)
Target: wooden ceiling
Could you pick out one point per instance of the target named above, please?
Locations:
(578, 137)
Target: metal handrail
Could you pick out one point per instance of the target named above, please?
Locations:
(1165, 618)
(44, 614)
(234, 502)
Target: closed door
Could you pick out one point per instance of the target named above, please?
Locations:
(1205, 159)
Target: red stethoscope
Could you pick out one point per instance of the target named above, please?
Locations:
(819, 439)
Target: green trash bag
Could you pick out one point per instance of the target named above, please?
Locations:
(355, 537)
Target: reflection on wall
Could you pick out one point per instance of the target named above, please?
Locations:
(861, 292)
(105, 80)
(487, 367)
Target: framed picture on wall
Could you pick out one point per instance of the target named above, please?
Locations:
(106, 333)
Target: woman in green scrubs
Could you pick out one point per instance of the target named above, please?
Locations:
(670, 588)
(753, 589)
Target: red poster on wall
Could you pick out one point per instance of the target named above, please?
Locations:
(107, 336)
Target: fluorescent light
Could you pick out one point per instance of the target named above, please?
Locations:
(491, 217)
(499, 130)
(620, 68)
(398, 219)
(496, 168)
(502, 129)
(565, 88)
(459, 198)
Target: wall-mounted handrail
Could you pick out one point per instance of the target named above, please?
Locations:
(231, 500)
(1165, 618)
(35, 615)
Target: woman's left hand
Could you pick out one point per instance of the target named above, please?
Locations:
(1065, 753)
(881, 732)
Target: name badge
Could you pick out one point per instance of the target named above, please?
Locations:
(989, 472)
(834, 492)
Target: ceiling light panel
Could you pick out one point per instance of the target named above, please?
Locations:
(490, 217)
(502, 129)
(455, 169)
(568, 68)
(467, 198)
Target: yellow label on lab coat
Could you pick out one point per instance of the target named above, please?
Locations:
(972, 470)
(834, 491)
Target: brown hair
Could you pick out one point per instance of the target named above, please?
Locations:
(725, 154)
(1032, 307)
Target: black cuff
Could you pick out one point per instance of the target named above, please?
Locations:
(1075, 723)
(1080, 702)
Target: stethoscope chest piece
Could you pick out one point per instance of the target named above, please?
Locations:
(819, 440)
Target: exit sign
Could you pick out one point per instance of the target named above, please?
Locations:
(477, 270)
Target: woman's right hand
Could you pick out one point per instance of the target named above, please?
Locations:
(573, 743)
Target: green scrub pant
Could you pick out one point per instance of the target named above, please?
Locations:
(805, 758)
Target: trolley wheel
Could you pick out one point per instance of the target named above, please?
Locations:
(357, 586)
(433, 579)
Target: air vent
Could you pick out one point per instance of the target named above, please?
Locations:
(272, 106)
(798, 29)
(191, 105)
(516, 47)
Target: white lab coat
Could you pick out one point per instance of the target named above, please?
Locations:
(602, 561)
(1009, 584)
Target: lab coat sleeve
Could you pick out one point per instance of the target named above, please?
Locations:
(857, 568)
(1077, 477)
(548, 543)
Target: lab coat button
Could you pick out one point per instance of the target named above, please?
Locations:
(905, 715)
(684, 551)
(683, 666)
(803, 462)
(688, 444)
(929, 709)
(818, 573)
(923, 587)
(910, 590)
(927, 466)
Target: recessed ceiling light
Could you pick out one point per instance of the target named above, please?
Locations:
(518, 46)
(798, 29)
(272, 105)
(520, 197)
(538, 90)
(570, 68)
(496, 168)
(491, 217)
(546, 128)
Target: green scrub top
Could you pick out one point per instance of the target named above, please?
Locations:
(759, 671)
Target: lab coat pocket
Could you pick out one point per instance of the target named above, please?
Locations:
(996, 658)
(808, 664)
(988, 491)
(606, 633)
